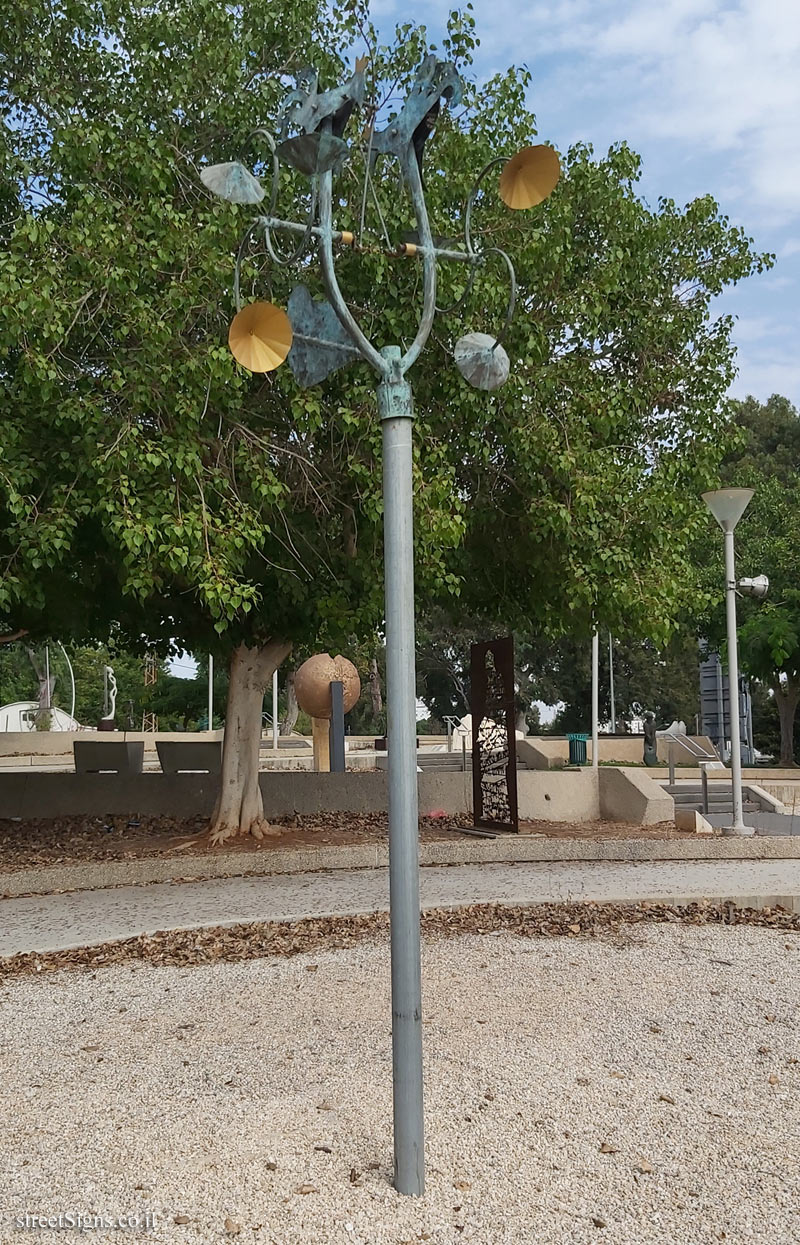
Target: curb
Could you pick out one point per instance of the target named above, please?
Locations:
(508, 849)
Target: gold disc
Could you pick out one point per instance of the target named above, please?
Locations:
(529, 177)
(260, 337)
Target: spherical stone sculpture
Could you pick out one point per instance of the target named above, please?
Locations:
(312, 684)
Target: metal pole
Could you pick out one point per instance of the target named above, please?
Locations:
(595, 695)
(720, 711)
(71, 679)
(396, 413)
(738, 826)
(210, 692)
(749, 729)
(671, 764)
(704, 783)
(611, 684)
(336, 733)
(275, 710)
(47, 674)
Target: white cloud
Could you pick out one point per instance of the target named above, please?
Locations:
(711, 75)
(707, 90)
(755, 328)
(765, 374)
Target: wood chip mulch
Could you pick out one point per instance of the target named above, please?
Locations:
(24, 844)
(260, 939)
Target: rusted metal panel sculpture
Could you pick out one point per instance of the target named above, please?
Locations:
(494, 741)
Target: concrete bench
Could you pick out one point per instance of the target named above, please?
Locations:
(198, 756)
(111, 756)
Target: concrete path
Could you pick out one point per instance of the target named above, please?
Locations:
(83, 918)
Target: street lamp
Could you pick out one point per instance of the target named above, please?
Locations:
(727, 506)
(318, 337)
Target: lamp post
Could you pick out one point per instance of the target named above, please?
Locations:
(318, 337)
(611, 684)
(595, 697)
(727, 506)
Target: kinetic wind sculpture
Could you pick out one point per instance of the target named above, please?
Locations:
(317, 338)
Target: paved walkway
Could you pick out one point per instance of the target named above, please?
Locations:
(81, 918)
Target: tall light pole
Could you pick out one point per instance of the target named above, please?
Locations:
(318, 337)
(727, 506)
(611, 684)
(595, 697)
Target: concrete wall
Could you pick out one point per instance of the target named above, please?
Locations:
(632, 795)
(552, 751)
(58, 743)
(555, 796)
(575, 796)
(192, 795)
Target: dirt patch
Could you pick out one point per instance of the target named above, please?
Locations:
(24, 844)
(62, 840)
(604, 830)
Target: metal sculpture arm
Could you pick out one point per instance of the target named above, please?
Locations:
(427, 248)
(345, 316)
(414, 179)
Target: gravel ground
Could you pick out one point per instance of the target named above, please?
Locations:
(640, 1086)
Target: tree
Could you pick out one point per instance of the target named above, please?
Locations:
(647, 676)
(146, 480)
(766, 458)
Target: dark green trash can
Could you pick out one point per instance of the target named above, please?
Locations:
(577, 749)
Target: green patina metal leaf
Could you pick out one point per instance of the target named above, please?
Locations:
(233, 182)
(314, 153)
(320, 343)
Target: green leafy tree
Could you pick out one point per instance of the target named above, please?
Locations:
(661, 678)
(145, 480)
(766, 458)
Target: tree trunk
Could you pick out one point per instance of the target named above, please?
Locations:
(787, 696)
(375, 692)
(240, 809)
(46, 685)
(292, 708)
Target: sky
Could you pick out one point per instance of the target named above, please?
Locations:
(707, 91)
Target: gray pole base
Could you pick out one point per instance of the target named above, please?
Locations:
(740, 832)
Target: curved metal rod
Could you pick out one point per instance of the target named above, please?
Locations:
(512, 298)
(471, 199)
(345, 316)
(71, 676)
(284, 260)
(276, 166)
(237, 298)
(459, 303)
(414, 179)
